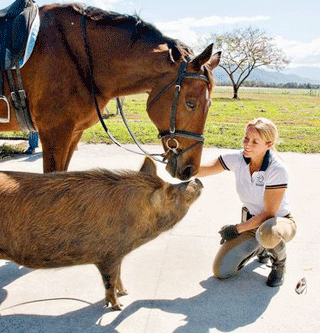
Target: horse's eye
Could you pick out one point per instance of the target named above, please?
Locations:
(191, 105)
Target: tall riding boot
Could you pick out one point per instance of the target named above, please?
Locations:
(278, 259)
(263, 256)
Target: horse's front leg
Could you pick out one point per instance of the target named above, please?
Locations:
(73, 145)
(56, 144)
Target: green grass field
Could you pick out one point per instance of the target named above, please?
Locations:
(296, 112)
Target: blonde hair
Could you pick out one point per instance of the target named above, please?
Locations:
(266, 128)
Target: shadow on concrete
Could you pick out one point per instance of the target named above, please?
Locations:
(224, 305)
(80, 321)
(83, 320)
(23, 158)
(8, 273)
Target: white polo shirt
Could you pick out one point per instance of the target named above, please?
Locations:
(251, 188)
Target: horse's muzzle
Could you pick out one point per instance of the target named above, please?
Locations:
(183, 173)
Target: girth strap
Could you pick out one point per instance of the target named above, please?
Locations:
(20, 101)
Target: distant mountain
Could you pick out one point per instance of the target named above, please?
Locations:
(266, 77)
(312, 73)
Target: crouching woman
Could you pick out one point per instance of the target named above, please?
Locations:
(261, 183)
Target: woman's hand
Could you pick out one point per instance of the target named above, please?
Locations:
(228, 232)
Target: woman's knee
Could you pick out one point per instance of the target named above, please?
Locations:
(223, 264)
(267, 235)
(233, 255)
(221, 271)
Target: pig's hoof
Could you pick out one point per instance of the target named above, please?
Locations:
(117, 307)
(122, 293)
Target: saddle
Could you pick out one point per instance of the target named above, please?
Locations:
(19, 26)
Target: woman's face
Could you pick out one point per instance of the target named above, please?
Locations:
(254, 146)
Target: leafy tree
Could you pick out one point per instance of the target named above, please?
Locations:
(244, 50)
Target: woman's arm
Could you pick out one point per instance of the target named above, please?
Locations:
(212, 169)
(272, 201)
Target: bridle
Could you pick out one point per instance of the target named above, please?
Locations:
(173, 132)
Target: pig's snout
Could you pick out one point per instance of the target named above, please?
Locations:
(193, 190)
(195, 185)
(181, 172)
(198, 183)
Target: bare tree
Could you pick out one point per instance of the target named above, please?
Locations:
(244, 50)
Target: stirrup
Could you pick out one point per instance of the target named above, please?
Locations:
(3, 99)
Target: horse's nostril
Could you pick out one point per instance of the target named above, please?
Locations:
(187, 172)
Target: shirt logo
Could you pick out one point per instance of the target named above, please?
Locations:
(260, 180)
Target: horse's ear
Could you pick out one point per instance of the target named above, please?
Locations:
(174, 55)
(214, 60)
(206, 57)
(164, 57)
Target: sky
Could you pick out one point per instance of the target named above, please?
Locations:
(294, 25)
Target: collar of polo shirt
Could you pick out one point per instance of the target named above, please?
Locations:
(265, 161)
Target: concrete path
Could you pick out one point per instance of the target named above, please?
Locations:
(169, 280)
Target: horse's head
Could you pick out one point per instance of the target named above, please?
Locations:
(178, 105)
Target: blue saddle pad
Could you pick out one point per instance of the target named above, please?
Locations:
(19, 26)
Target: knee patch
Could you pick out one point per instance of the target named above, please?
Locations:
(266, 234)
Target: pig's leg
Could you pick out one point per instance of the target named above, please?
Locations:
(119, 285)
(3, 255)
(109, 276)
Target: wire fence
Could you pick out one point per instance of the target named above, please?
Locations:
(271, 91)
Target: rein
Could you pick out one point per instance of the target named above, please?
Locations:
(172, 132)
(94, 95)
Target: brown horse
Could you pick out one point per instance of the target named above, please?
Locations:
(81, 50)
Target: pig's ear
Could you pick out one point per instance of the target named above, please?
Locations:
(149, 166)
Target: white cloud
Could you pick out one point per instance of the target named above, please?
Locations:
(185, 35)
(183, 29)
(103, 4)
(301, 53)
(207, 22)
(217, 20)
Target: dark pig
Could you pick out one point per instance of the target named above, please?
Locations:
(90, 217)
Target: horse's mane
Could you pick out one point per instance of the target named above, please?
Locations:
(139, 28)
